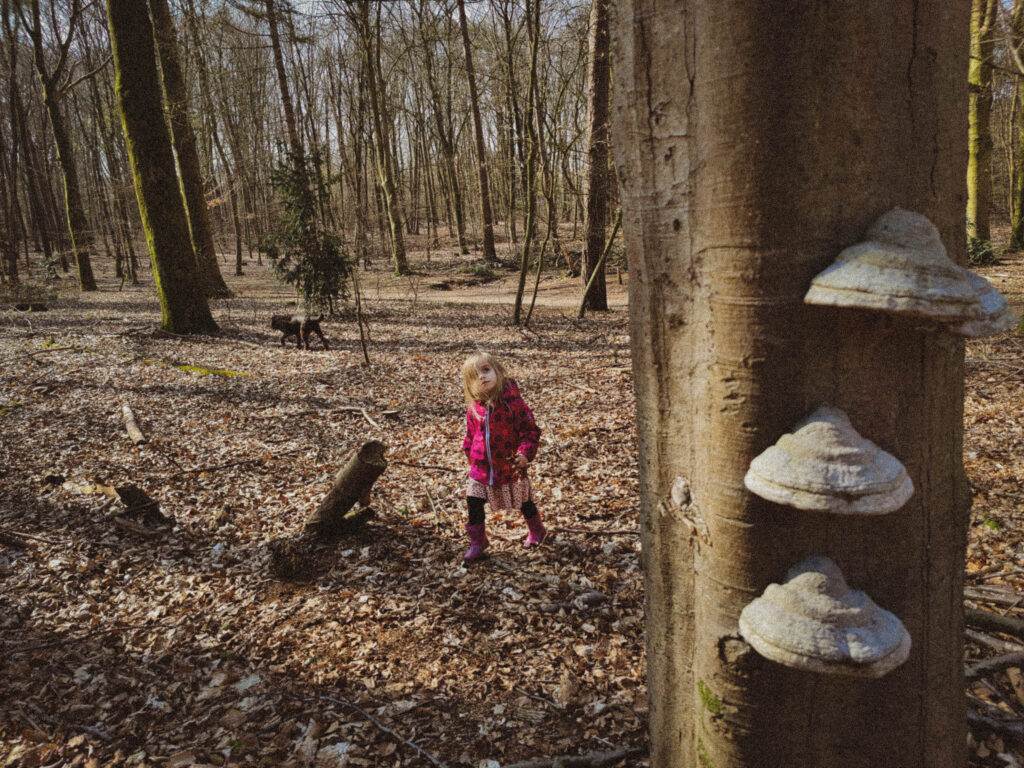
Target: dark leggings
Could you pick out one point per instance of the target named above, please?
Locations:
(476, 509)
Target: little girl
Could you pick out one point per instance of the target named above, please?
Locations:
(501, 440)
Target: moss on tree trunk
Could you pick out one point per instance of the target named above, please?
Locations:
(185, 149)
(183, 304)
(979, 118)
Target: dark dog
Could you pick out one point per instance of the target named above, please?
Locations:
(299, 326)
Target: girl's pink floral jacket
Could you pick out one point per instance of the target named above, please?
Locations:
(495, 434)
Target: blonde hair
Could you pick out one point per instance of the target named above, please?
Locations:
(471, 378)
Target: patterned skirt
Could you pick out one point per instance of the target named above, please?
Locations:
(511, 495)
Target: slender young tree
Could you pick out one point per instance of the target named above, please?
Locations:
(733, 200)
(1017, 188)
(53, 88)
(486, 213)
(183, 304)
(598, 177)
(184, 139)
(979, 118)
(530, 175)
(369, 36)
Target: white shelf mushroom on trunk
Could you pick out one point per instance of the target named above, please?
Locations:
(902, 269)
(815, 622)
(825, 465)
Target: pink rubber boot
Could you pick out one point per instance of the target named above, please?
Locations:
(477, 542)
(537, 531)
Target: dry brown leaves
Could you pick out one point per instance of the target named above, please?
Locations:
(180, 650)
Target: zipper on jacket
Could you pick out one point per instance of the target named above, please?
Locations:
(487, 442)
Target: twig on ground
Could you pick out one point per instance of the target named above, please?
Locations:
(131, 425)
(994, 664)
(136, 528)
(1012, 729)
(991, 642)
(366, 416)
(993, 622)
(423, 466)
(12, 540)
(600, 531)
(408, 742)
(92, 731)
(588, 760)
(1005, 598)
(29, 536)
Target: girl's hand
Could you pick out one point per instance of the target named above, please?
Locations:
(521, 461)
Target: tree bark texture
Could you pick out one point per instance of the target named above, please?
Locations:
(754, 142)
(78, 226)
(597, 158)
(1017, 189)
(385, 174)
(183, 304)
(530, 174)
(184, 139)
(979, 118)
(486, 211)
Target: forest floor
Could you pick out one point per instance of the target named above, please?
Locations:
(119, 648)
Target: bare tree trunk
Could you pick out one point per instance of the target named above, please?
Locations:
(733, 200)
(381, 143)
(598, 179)
(1017, 188)
(78, 225)
(533, 24)
(185, 150)
(183, 304)
(979, 116)
(486, 213)
(444, 136)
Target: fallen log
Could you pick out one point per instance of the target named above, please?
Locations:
(589, 760)
(131, 426)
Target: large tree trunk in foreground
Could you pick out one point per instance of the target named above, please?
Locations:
(183, 304)
(979, 118)
(598, 177)
(185, 148)
(734, 198)
(486, 211)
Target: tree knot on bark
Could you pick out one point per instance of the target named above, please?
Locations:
(679, 508)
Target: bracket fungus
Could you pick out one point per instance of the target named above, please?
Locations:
(902, 268)
(815, 622)
(825, 465)
(996, 315)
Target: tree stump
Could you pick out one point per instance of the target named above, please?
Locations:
(296, 556)
(351, 484)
